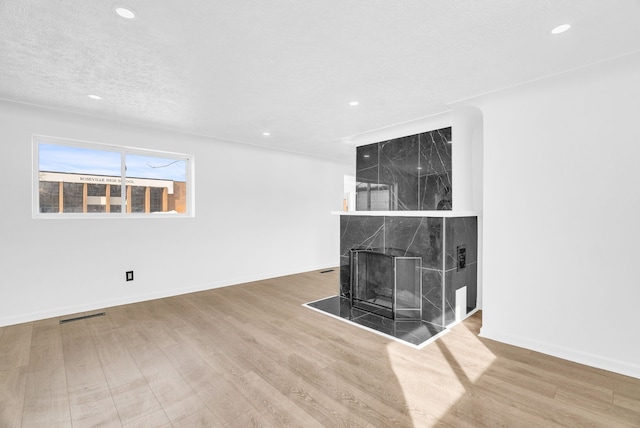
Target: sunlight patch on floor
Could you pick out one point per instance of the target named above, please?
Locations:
(472, 364)
(439, 370)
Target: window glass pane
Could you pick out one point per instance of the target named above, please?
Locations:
(96, 190)
(156, 200)
(49, 197)
(75, 167)
(72, 196)
(163, 176)
(96, 198)
(137, 199)
(115, 198)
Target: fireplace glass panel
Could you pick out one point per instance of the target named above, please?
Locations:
(408, 287)
(386, 285)
(372, 287)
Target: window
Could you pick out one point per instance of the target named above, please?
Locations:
(80, 179)
(96, 198)
(49, 196)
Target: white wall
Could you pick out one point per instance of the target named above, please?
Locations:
(259, 213)
(467, 149)
(467, 145)
(561, 215)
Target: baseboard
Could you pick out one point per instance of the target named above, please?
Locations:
(576, 356)
(126, 300)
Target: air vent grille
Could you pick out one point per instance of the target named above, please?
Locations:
(84, 317)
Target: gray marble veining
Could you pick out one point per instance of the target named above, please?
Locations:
(414, 173)
(435, 240)
(407, 173)
(414, 332)
(357, 232)
(432, 289)
(460, 231)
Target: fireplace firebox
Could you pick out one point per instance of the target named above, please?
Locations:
(386, 283)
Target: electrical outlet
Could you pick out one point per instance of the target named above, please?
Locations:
(129, 274)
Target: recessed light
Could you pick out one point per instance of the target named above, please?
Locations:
(94, 97)
(266, 134)
(124, 12)
(354, 103)
(560, 29)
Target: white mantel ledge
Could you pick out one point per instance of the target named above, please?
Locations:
(411, 213)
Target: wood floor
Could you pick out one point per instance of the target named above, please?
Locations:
(251, 355)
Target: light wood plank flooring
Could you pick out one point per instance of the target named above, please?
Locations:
(251, 355)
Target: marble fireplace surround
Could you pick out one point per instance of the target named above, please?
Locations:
(436, 236)
(406, 173)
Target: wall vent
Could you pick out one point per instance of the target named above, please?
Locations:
(84, 317)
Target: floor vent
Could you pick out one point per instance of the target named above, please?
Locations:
(83, 317)
(327, 271)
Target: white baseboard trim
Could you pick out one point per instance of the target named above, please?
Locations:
(126, 300)
(586, 358)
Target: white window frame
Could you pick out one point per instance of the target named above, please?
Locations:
(124, 151)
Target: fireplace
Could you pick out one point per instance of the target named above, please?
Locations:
(386, 283)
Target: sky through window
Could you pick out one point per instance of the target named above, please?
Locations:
(80, 160)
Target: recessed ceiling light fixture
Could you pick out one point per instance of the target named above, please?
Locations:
(124, 12)
(266, 134)
(560, 29)
(354, 103)
(94, 97)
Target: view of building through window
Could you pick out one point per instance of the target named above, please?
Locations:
(83, 178)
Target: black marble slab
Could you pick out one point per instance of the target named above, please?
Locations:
(461, 231)
(430, 238)
(432, 290)
(416, 235)
(435, 170)
(367, 163)
(411, 332)
(398, 166)
(435, 152)
(407, 173)
(367, 179)
(435, 192)
(361, 232)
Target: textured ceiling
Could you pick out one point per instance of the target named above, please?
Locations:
(233, 69)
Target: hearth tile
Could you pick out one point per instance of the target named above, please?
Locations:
(413, 333)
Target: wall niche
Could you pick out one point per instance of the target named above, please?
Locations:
(411, 173)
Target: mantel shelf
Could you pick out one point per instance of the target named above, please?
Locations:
(411, 213)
